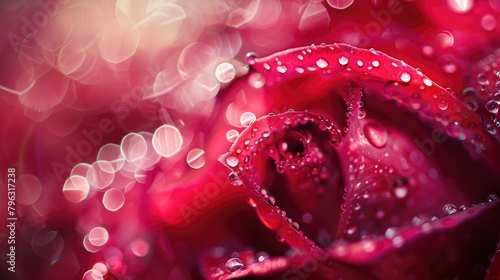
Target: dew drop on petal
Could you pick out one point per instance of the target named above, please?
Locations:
(343, 60)
(247, 118)
(492, 106)
(271, 200)
(427, 82)
(321, 63)
(449, 209)
(492, 197)
(196, 158)
(225, 72)
(250, 58)
(295, 225)
(376, 134)
(281, 69)
(359, 63)
(375, 63)
(405, 77)
(443, 105)
(234, 264)
(234, 179)
(232, 161)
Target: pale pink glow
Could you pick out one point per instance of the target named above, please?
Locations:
(460, 6)
(98, 236)
(100, 174)
(113, 199)
(133, 147)
(92, 274)
(118, 41)
(232, 135)
(34, 59)
(80, 169)
(151, 157)
(194, 58)
(196, 158)
(101, 267)
(112, 154)
(76, 188)
(313, 14)
(89, 246)
(445, 39)
(225, 72)
(139, 247)
(340, 4)
(71, 58)
(247, 118)
(167, 140)
(30, 191)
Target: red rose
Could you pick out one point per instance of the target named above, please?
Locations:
(338, 161)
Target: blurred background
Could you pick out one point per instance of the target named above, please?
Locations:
(113, 114)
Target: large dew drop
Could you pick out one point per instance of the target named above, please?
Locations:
(232, 161)
(449, 209)
(234, 264)
(234, 179)
(376, 134)
(343, 60)
(321, 63)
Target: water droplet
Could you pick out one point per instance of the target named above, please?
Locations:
(225, 72)
(234, 179)
(462, 208)
(481, 79)
(492, 197)
(405, 77)
(250, 58)
(281, 69)
(427, 81)
(376, 134)
(343, 60)
(271, 200)
(234, 264)
(295, 226)
(262, 256)
(247, 119)
(232, 161)
(449, 209)
(267, 67)
(321, 63)
(443, 104)
(375, 63)
(401, 192)
(492, 106)
(299, 70)
(300, 57)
